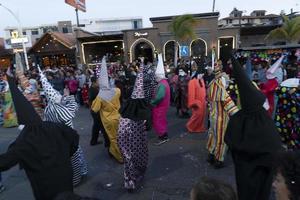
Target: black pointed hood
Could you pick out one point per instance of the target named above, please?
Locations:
(251, 98)
(26, 114)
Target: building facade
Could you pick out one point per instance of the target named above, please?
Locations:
(111, 24)
(256, 18)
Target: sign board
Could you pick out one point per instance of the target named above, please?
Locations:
(139, 34)
(78, 4)
(184, 51)
(19, 40)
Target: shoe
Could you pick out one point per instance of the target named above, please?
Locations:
(219, 164)
(93, 143)
(161, 141)
(211, 159)
(2, 188)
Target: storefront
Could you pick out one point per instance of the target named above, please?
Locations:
(148, 42)
(54, 49)
(93, 46)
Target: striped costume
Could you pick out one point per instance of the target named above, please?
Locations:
(221, 107)
(64, 112)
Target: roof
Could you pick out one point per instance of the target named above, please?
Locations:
(140, 29)
(199, 15)
(252, 17)
(68, 40)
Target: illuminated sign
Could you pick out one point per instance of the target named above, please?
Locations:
(138, 34)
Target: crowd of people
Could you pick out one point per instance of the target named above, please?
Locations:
(249, 104)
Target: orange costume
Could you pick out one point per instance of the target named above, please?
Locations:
(197, 103)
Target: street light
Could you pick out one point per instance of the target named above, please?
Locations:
(20, 32)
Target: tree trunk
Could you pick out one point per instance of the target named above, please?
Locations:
(175, 54)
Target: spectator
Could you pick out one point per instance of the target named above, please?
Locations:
(211, 189)
(287, 181)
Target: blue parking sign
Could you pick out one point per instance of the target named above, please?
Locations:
(184, 51)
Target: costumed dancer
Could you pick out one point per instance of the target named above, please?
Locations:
(9, 114)
(97, 123)
(221, 106)
(197, 103)
(269, 87)
(181, 95)
(253, 139)
(62, 109)
(42, 149)
(132, 135)
(161, 103)
(149, 81)
(29, 87)
(2, 89)
(107, 103)
(287, 116)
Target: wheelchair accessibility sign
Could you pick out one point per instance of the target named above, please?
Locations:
(184, 51)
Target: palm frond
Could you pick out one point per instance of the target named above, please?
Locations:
(183, 27)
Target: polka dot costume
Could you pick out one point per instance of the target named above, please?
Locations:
(287, 117)
(132, 140)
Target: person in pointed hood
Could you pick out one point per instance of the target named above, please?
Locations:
(107, 103)
(161, 102)
(62, 109)
(149, 79)
(253, 140)
(269, 87)
(287, 117)
(221, 107)
(132, 135)
(43, 149)
(29, 87)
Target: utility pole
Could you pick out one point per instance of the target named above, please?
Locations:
(20, 30)
(213, 9)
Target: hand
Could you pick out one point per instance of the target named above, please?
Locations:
(9, 73)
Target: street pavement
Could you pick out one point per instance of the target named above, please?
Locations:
(173, 167)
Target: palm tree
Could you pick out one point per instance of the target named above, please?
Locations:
(289, 31)
(183, 29)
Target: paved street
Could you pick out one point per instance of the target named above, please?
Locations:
(173, 168)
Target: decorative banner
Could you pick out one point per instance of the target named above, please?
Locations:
(184, 51)
(213, 56)
(79, 4)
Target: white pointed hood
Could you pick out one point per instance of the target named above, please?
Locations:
(105, 91)
(103, 76)
(292, 82)
(160, 70)
(52, 95)
(270, 74)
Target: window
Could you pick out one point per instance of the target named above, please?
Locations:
(65, 30)
(34, 32)
(135, 24)
(230, 21)
(24, 32)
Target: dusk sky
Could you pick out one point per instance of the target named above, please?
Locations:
(38, 12)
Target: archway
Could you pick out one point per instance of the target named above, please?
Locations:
(198, 48)
(169, 50)
(142, 48)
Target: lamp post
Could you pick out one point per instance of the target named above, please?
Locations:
(20, 33)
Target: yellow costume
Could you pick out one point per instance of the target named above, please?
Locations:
(109, 113)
